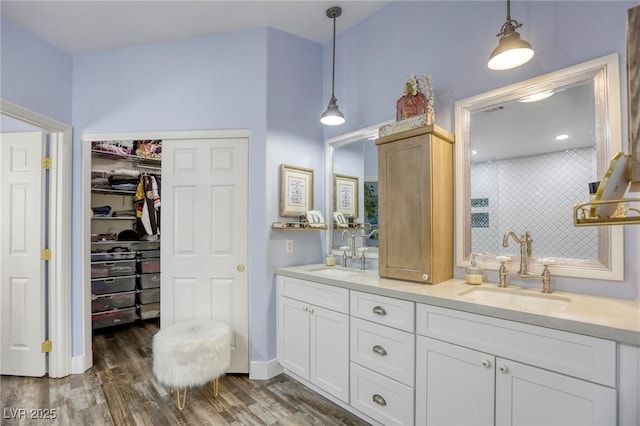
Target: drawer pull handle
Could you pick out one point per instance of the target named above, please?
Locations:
(379, 400)
(503, 368)
(379, 310)
(486, 363)
(379, 350)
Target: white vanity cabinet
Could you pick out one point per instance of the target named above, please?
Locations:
(313, 334)
(538, 375)
(382, 357)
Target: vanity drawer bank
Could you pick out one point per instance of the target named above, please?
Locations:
(472, 362)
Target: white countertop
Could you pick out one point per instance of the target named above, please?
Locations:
(603, 317)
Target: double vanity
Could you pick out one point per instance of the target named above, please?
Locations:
(401, 353)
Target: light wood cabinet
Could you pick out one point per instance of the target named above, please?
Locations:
(415, 192)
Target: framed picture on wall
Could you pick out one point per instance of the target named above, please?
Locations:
(346, 195)
(296, 190)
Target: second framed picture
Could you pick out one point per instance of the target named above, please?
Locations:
(346, 195)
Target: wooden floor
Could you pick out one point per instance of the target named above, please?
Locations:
(121, 389)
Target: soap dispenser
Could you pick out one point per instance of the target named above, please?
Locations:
(473, 273)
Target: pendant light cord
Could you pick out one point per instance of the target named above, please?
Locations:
(333, 72)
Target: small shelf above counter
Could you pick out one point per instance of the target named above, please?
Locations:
(296, 226)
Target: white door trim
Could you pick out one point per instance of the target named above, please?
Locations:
(59, 302)
(87, 138)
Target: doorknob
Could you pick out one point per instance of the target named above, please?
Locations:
(240, 268)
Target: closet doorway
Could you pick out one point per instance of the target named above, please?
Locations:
(204, 240)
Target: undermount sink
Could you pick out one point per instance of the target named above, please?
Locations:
(518, 299)
(332, 272)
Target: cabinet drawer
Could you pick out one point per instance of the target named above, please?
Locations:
(585, 357)
(389, 402)
(383, 310)
(326, 296)
(383, 349)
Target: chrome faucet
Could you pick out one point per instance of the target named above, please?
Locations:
(525, 242)
(366, 236)
(351, 242)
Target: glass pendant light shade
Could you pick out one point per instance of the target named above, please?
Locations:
(512, 51)
(332, 116)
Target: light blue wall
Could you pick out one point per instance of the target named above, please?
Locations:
(34, 74)
(451, 41)
(269, 82)
(294, 137)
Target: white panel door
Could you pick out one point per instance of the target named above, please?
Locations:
(329, 351)
(21, 270)
(527, 395)
(294, 336)
(204, 237)
(454, 385)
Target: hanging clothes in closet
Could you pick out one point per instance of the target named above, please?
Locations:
(147, 205)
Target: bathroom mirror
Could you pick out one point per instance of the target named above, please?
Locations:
(525, 154)
(355, 155)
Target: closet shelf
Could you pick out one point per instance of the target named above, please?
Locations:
(114, 218)
(112, 191)
(146, 162)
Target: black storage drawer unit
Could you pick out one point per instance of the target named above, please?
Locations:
(114, 317)
(148, 281)
(113, 269)
(113, 285)
(107, 302)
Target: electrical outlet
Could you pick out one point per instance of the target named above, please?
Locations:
(288, 246)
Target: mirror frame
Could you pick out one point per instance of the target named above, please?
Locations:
(330, 147)
(605, 74)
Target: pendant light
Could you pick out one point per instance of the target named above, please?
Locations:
(511, 51)
(332, 116)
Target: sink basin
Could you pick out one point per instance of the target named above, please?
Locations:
(517, 299)
(331, 272)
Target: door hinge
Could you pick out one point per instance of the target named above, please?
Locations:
(47, 346)
(45, 254)
(47, 162)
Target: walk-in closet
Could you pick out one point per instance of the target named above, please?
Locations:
(126, 202)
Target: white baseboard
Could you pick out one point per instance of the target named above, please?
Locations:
(264, 370)
(78, 365)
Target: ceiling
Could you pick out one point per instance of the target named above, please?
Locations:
(80, 27)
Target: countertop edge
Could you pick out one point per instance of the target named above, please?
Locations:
(619, 335)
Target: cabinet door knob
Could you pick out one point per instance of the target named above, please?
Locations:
(486, 363)
(379, 400)
(240, 268)
(379, 310)
(311, 310)
(305, 309)
(379, 350)
(425, 277)
(503, 368)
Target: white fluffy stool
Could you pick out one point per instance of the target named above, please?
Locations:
(192, 353)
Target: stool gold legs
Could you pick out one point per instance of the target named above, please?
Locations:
(182, 401)
(216, 388)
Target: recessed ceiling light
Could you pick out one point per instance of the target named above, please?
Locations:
(562, 137)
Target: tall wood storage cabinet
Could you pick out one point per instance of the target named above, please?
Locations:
(415, 190)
